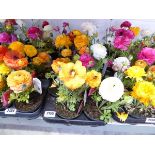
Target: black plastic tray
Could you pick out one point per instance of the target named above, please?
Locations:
(135, 120)
(28, 115)
(81, 120)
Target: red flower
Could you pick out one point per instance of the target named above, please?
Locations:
(34, 33)
(5, 98)
(126, 24)
(10, 22)
(45, 23)
(3, 50)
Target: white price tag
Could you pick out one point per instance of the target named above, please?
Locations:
(37, 85)
(10, 111)
(150, 120)
(49, 114)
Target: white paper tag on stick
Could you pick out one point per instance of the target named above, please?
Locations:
(150, 120)
(37, 85)
(10, 111)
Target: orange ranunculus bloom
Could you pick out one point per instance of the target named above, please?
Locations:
(66, 52)
(141, 63)
(135, 30)
(15, 60)
(45, 57)
(3, 50)
(17, 46)
(83, 50)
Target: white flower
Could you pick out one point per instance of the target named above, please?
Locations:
(89, 27)
(99, 51)
(2, 20)
(145, 33)
(121, 64)
(48, 28)
(111, 89)
(20, 22)
(46, 35)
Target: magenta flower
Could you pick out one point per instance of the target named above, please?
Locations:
(147, 54)
(126, 24)
(125, 33)
(5, 37)
(57, 29)
(34, 33)
(5, 98)
(87, 60)
(110, 63)
(45, 23)
(122, 43)
(65, 24)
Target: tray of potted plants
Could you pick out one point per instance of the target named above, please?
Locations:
(22, 93)
(76, 75)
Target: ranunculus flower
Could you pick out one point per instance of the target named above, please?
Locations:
(89, 27)
(99, 51)
(87, 60)
(111, 89)
(5, 98)
(125, 33)
(10, 22)
(126, 24)
(65, 24)
(45, 23)
(4, 37)
(48, 28)
(13, 38)
(34, 33)
(121, 64)
(122, 43)
(147, 54)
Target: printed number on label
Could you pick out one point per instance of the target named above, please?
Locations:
(49, 114)
(10, 111)
(150, 120)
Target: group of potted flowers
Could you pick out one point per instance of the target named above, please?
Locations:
(104, 79)
(22, 65)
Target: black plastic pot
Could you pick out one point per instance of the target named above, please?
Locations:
(53, 117)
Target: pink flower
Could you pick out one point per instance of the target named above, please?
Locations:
(110, 63)
(34, 33)
(122, 43)
(57, 29)
(147, 54)
(5, 37)
(87, 60)
(126, 24)
(65, 24)
(5, 98)
(45, 23)
(125, 33)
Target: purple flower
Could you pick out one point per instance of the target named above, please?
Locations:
(126, 24)
(13, 38)
(122, 43)
(57, 29)
(91, 91)
(65, 24)
(5, 37)
(34, 33)
(125, 33)
(87, 60)
(64, 31)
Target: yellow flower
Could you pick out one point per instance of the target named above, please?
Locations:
(45, 57)
(122, 116)
(30, 50)
(76, 32)
(62, 41)
(141, 63)
(73, 75)
(135, 30)
(57, 64)
(19, 81)
(4, 70)
(93, 79)
(66, 52)
(37, 61)
(135, 72)
(81, 41)
(17, 46)
(2, 83)
(144, 92)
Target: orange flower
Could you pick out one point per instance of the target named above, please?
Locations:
(37, 61)
(81, 41)
(66, 52)
(57, 64)
(83, 50)
(15, 60)
(135, 30)
(30, 50)
(3, 50)
(19, 81)
(17, 46)
(45, 57)
(151, 73)
(141, 63)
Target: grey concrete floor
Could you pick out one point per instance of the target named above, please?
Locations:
(22, 126)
